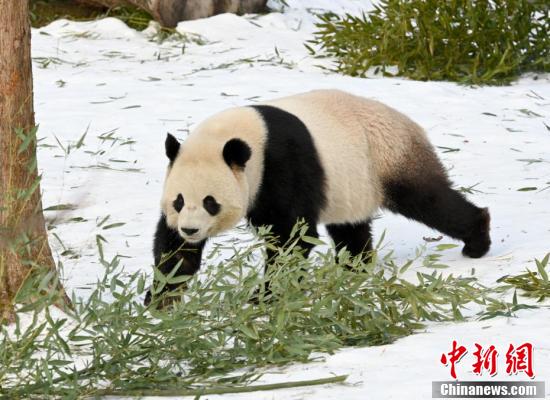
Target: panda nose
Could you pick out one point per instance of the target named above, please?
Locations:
(189, 231)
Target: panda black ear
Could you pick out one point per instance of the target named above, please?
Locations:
(172, 147)
(236, 153)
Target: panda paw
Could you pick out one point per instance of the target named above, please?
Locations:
(476, 249)
(478, 244)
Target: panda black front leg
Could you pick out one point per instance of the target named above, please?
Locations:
(281, 235)
(168, 250)
(355, 237)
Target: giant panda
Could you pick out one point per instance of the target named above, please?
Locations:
(327, 157)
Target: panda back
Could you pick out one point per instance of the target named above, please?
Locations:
(337, 122)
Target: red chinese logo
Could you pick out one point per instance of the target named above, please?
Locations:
(455, 355)
(518, 359)
(485, 360)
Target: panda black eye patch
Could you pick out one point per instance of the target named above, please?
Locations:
(211, 205)
(178, 203)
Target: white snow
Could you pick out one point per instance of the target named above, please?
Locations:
(110, 81)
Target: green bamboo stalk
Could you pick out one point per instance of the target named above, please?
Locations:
(79, 374)
(218, 390)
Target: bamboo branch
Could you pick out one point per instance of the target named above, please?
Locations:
(218, 390)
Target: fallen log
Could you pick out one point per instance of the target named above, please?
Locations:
(169, 12)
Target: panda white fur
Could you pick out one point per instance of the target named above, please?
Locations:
(325, 156)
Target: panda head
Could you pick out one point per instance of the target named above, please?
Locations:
(205, 190)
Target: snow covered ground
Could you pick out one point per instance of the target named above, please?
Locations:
(125, 91)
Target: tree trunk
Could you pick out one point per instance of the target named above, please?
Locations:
(24, 249)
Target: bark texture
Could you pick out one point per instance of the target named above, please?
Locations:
(169, 12)
(24, 245)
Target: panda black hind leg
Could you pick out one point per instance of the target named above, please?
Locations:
(356, 237)
(432, 201)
